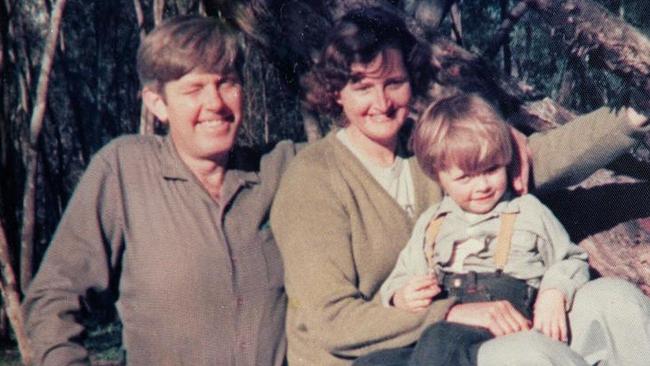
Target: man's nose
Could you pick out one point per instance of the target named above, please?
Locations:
(211, 97)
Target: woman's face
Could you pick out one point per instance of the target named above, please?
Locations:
(376, 100)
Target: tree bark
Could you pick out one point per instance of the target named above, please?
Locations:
(503, 33)
(593, 33)
(36, 125)
(11, 299)
(146, 118)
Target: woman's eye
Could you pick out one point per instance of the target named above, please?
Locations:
(360, 87)
(398, 83)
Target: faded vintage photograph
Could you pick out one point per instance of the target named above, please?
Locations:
(342, 182)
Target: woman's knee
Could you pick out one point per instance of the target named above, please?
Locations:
(610, 295)
(527, 348)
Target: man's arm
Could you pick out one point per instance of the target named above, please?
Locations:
(570, 153)
(80, 260)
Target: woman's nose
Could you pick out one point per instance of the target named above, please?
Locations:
(382, 102)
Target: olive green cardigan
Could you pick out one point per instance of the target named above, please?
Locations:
(340, 233)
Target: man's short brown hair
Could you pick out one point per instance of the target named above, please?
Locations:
(463, 131)
(184, 44)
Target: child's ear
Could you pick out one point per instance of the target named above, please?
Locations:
(155, 103)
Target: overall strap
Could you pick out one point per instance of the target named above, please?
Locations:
(430, 239)
(504, 239)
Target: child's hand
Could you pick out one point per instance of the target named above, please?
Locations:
(550, 316)
(416, 295)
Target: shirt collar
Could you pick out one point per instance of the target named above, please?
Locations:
(507, 204)
(242, 166)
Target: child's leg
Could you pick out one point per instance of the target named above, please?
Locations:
(610, 323)
(446, 343)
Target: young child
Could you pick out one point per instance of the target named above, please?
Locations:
(481, 242)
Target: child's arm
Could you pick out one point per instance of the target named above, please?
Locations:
(417, 293)
(549, 314)
(410, 263)
(566, 270)
(566, 263)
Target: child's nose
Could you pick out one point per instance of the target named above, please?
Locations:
(482, 183)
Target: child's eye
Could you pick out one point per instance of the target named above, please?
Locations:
(493, 169)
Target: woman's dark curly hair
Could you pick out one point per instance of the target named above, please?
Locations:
(358, 38)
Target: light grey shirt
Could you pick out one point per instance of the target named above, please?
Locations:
(541, 251)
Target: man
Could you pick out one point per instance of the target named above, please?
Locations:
(173, 229)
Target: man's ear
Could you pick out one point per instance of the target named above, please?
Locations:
(155, 103)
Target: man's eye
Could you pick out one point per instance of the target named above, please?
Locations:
(191, 90)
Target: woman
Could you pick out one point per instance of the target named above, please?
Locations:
(347, 203)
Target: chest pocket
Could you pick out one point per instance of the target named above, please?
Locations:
(272, 258)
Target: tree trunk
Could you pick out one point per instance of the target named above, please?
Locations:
(146, 118)
(36, 125)
(11, 299)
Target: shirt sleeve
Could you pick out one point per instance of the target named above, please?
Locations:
(312, 229)
(570, 153)
(79, 263)
(566, 263)
(411, 261)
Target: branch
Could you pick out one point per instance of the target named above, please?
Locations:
(158, 11)
(36, 125)
(11, 299)
(505, 28)
(607, 42)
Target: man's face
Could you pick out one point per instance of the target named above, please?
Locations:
(476, 193)
(204, 112)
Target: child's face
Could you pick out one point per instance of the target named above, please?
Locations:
(476, 193)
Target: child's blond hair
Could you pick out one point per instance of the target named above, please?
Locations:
(463, 131)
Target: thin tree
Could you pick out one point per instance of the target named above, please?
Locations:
(31, 151)
(11, 299)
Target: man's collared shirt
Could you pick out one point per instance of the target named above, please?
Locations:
(196, 282)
